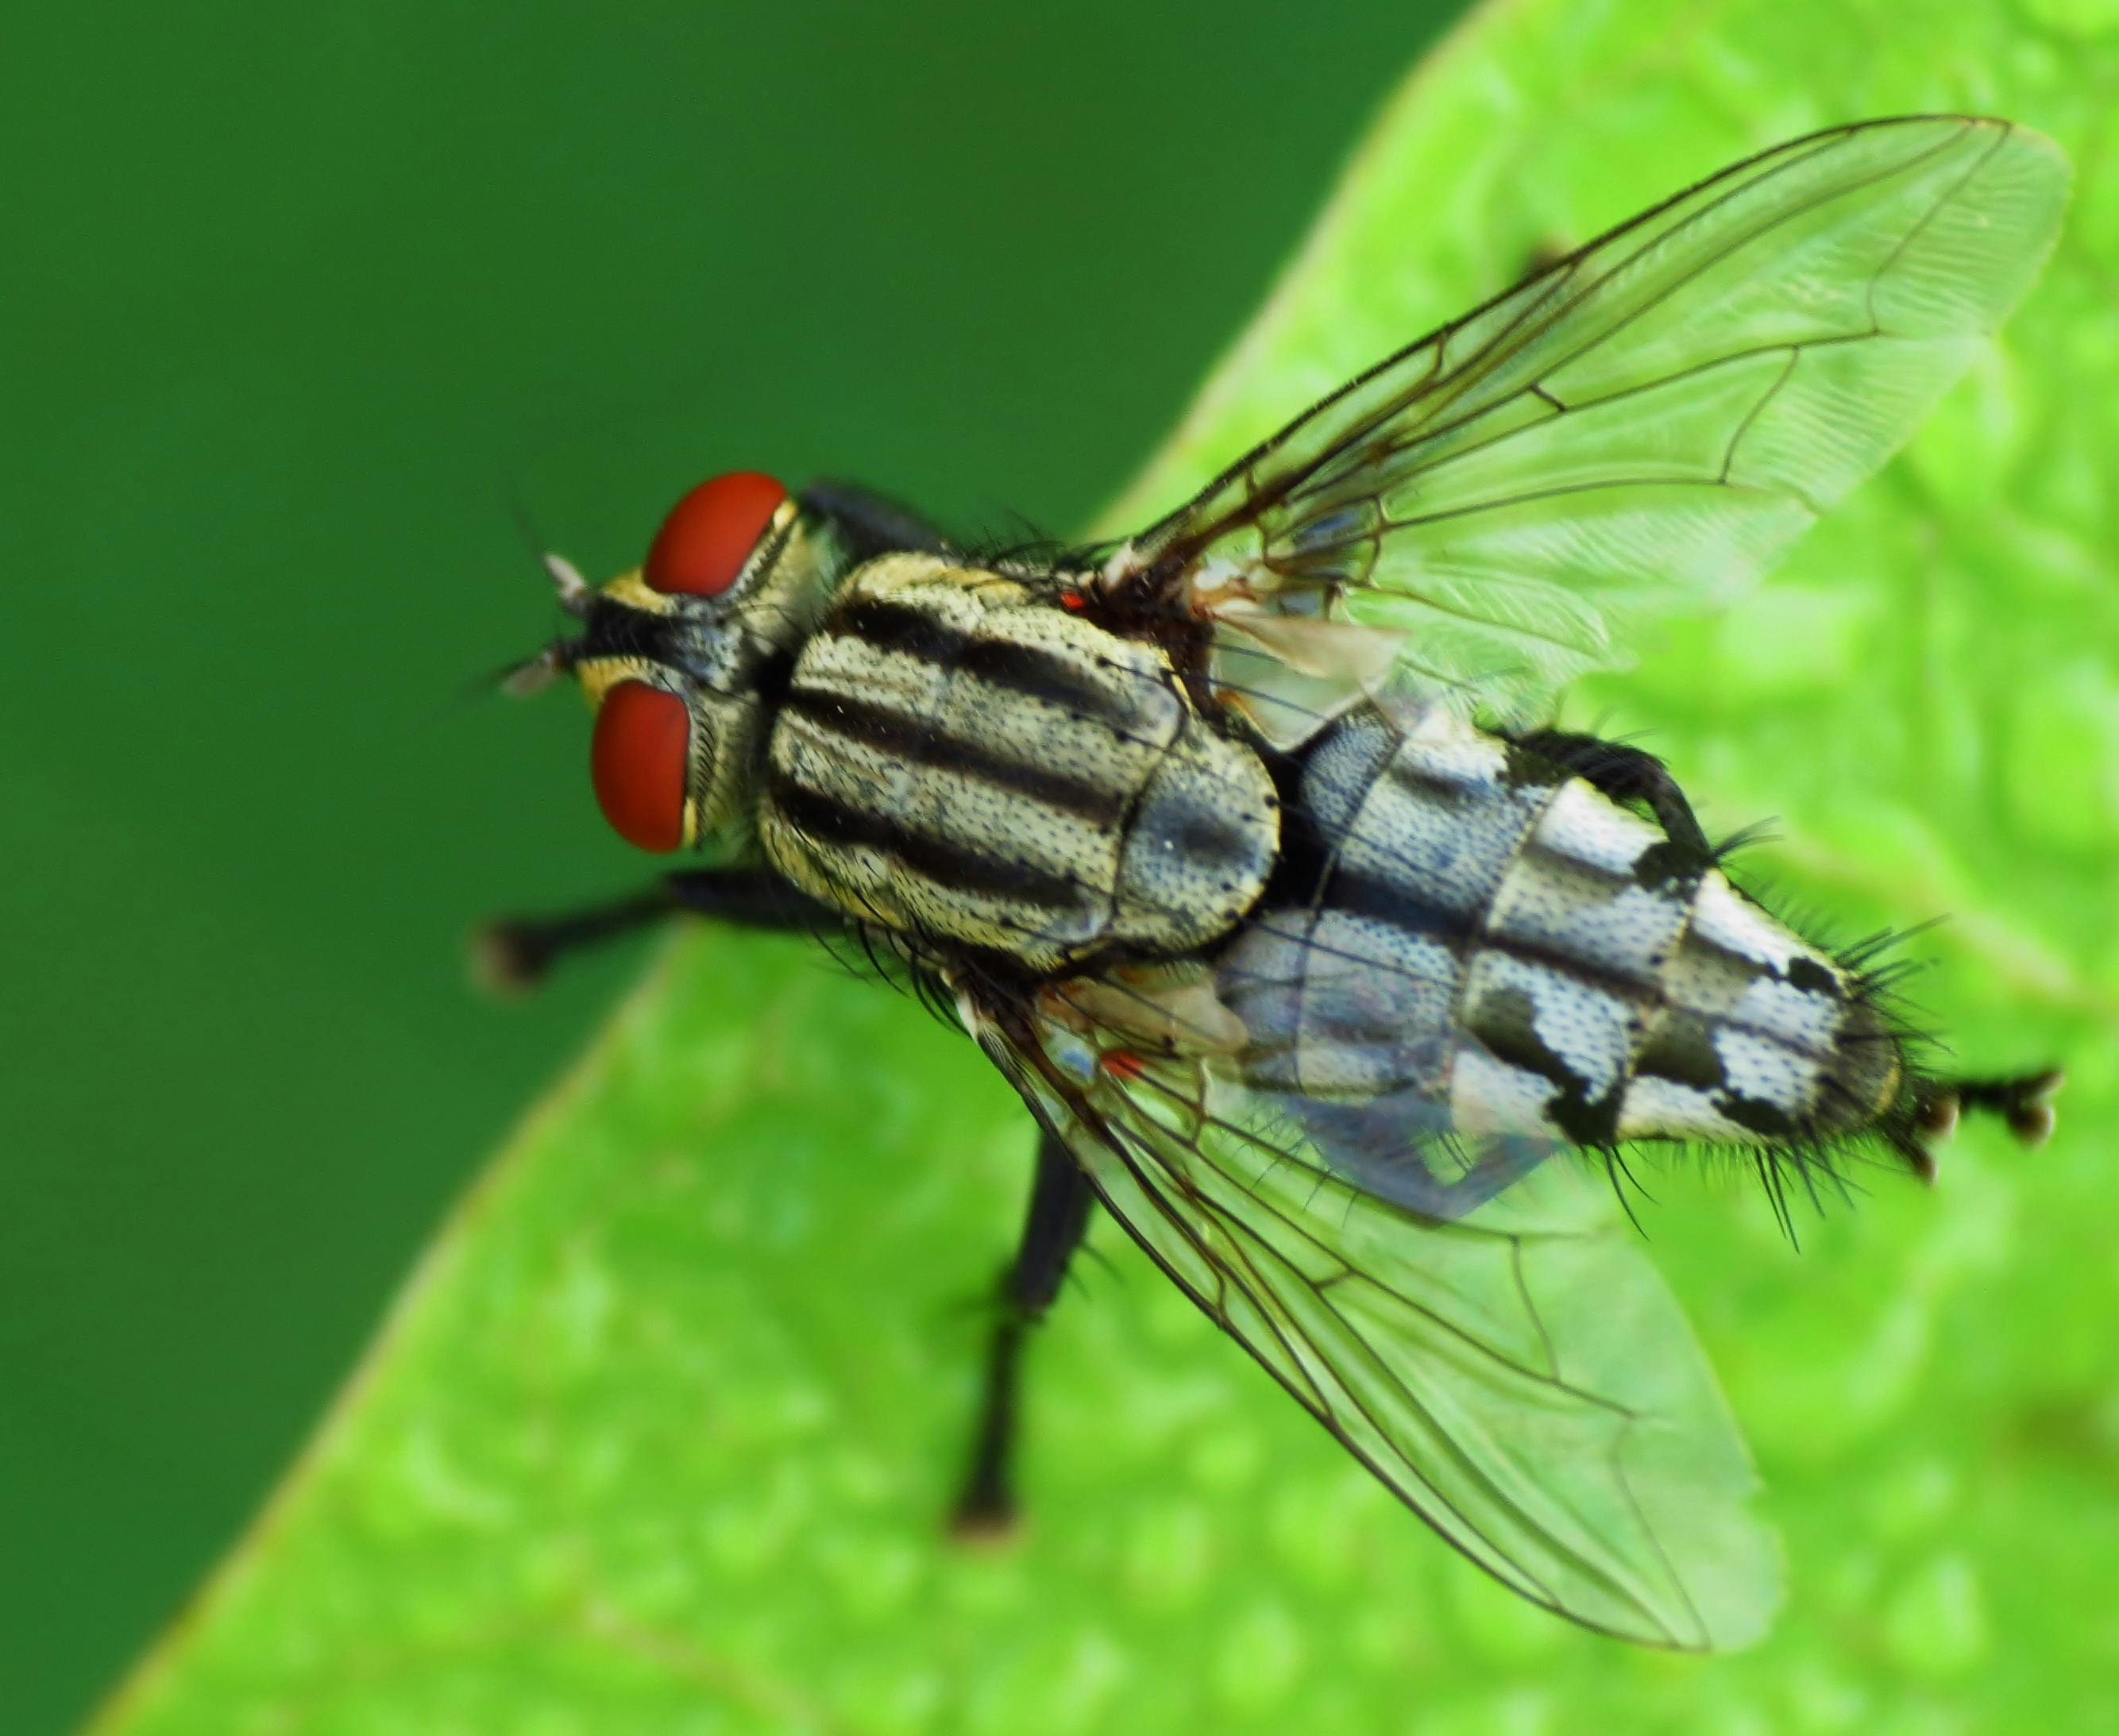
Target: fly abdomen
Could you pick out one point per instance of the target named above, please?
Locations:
(1477, 928)
(1760, 1037)
(958, 758)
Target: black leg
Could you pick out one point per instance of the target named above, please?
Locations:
(1626, 775)
(517, 951)
(2024, 1101)
(1060, 1199)
(873, 525)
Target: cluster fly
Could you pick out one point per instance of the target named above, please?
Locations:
(1247, 850)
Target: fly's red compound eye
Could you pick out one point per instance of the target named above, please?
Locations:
(710, 533)
(639, 761)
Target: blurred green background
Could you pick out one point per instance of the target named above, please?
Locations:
(303, 306)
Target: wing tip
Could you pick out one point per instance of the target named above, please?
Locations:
(1732, 1584)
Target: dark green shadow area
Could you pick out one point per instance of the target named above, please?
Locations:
(302, 305)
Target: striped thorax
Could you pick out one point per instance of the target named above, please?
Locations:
(957, 756)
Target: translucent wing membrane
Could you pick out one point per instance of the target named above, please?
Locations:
(1641, 426)
(1305, 1128)
(1518, 1375)
(1466, 1319)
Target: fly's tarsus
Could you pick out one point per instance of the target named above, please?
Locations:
(513, 955)
(1061, 1202)
(2023, 1102)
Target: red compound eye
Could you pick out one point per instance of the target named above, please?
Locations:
(710, 533)
(639, 761)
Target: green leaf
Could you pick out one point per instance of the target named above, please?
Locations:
(660, 1437)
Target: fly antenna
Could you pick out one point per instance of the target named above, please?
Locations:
(534, 675)
(567, 580)
(566, 577)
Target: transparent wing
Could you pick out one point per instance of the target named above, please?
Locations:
(1641, 426)
(1518, 1375)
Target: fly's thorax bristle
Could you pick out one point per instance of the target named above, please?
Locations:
(957, 756)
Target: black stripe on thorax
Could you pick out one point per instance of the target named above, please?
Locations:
(922, 744)
(823, 820)
(890, 625)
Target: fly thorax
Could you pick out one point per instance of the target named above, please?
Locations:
(959, 756)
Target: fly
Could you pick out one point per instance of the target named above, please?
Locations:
(1246, 851)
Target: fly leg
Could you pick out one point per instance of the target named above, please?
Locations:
(874, 524)
(1060, 1199)
(517, 951)
(1626, 775)
(2024, 1100)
